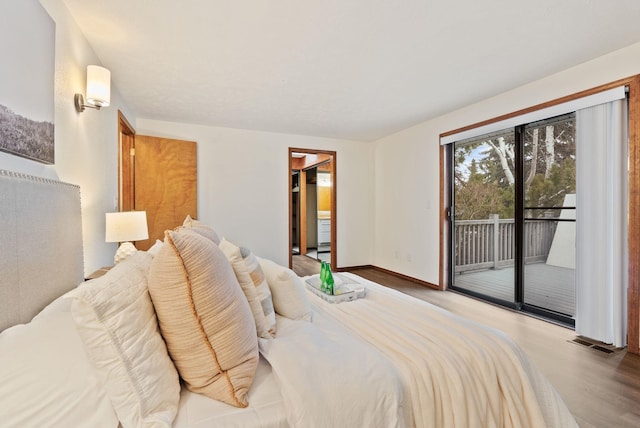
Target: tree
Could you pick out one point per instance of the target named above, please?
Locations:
(550, 192)
(476, 200)
(549, 145)
(507, 157)
(484, 170)
(534, 155)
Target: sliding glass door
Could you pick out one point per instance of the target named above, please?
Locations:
(513, 217)
(549, 180)
(483, 213)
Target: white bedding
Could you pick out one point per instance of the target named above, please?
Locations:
(266, 408)
(456, 373)
(328, 378)
(46, 378)
(385, 360)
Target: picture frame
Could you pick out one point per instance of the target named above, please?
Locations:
(27, 80)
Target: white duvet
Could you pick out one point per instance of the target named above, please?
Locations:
(387, 360)
(328, 378)
(454, 372)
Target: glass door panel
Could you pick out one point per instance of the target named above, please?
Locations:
(483, 216)
(549, 180)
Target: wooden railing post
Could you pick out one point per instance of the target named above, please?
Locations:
(496, 238)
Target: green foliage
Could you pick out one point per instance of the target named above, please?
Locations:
(479, 200)
(482, 185)
(551, 191)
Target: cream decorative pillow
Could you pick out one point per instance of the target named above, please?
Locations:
(201, 228)
(116, 321)
(251, 281)
(289, 295)
(204, 317)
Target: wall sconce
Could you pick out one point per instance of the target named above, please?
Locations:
(124, 227)
(98, 89)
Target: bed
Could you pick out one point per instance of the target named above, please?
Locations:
(200, 332)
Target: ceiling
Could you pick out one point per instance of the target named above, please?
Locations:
(347, 69)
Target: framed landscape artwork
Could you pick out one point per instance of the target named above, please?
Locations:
(27, 73)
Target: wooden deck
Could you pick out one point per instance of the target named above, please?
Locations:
(547, 286)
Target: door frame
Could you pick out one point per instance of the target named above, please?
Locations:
(633, 294)
(334, 192)
(518, 302)
(126, 165)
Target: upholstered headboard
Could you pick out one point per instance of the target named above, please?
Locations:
(40, 246)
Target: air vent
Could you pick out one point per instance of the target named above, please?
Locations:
(595, 345)
(602, 349)
(582, 342)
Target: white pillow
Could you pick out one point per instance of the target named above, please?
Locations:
(254, 285)
(287, 290)
(117, 323)
(46, 378)
(155, 248)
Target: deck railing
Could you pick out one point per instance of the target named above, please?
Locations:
(478, 246)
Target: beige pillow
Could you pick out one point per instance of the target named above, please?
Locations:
(289, 295)
(201, 228)
(115, 319)
(251, 280)
(204, 317)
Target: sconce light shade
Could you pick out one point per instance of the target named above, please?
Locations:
(124, 227)
(98, 89)
(98, 86)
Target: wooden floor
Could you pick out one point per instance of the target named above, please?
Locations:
(601, 390)
(546, 286)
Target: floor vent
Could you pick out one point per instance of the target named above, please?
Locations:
(603, 349)
(595, 345)
(582, 342)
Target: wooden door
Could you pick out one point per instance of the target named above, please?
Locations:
(165, 183)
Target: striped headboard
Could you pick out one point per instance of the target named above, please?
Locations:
(40, 244)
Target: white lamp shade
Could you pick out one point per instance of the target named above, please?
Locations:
(126, 226)
(98, 86)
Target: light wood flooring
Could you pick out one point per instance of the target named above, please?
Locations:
(601, 390)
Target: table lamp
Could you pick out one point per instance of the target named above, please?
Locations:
(125, 227)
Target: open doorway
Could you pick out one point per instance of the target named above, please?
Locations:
(312, 205)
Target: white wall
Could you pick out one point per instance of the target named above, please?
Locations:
(243, 182)
(406, 218)
(85, 144)
(392, 223)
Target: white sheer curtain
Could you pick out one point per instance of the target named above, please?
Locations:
(601, 226)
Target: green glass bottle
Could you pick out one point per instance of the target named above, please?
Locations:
(323, 276)
(329, 280)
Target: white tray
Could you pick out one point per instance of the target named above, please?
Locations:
(346, 289)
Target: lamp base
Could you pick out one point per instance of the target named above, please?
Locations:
(125, 250)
